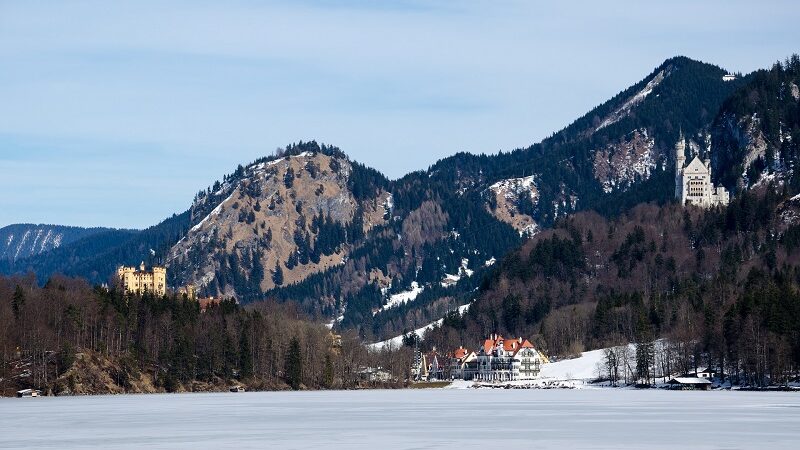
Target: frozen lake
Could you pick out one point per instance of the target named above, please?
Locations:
(415, 419)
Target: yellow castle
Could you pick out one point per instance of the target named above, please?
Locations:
(140, 281)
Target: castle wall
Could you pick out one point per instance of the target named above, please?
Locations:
(139, 281)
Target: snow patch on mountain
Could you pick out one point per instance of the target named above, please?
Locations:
(23, 241)
(213, 213)
(505, 197)
(397, 341)
(402, 297)
(512, 188)
(625, 109)
(463, 270)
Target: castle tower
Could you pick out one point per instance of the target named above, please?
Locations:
(680, 162)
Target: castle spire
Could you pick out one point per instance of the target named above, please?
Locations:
(680, 151)
(680, 162)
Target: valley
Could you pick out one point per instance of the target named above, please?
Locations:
(576, 242)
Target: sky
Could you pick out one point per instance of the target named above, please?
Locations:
(117, 113)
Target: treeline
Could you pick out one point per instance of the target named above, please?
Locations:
(169, 341)
(720, 284)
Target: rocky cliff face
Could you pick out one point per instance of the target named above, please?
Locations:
(621, 164)
(513, 201)
(277, 223)
(755, 136)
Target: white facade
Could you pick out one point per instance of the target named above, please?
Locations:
(502, 359)
(693, 184)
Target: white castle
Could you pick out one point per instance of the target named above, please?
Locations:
(693, 182)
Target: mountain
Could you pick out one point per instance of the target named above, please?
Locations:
(23, 240)
(277, 221)
(97, 256)
(721, 285)
(757, 131)
(309, 225)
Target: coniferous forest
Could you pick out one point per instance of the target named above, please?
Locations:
(70, 338)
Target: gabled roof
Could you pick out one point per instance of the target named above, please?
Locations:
(508, 345)
(696, 166)
(511, 345)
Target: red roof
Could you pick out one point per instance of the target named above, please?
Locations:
(206, 302)
(509, 345)
(460, 353)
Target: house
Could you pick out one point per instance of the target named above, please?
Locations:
(374, 375)
(689, 383)
(189, 290)
(429, 367)
(436, 366)
(463, 364)
(500, 359)
(206, 303)
(29, 393)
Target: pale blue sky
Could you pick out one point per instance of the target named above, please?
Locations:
(107, 103)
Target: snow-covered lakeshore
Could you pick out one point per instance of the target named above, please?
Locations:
(429, 418)
(568, 373)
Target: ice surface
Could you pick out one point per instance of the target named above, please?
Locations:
(426, 418)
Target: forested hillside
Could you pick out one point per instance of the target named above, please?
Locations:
(460, 200)
(70, 338)
(722, 284)
(757, 133)
(23, 240)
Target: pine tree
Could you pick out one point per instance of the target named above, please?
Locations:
(327, 374)
(277, 275)
(294, 365)
(17, 301)
(245, 352)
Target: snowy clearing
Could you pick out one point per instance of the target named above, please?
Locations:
(402, 297)
(397, 341)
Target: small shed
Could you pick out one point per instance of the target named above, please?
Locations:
(690, 383)
(707, 373)
(28, 393)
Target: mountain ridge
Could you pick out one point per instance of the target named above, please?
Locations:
(437, 216)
